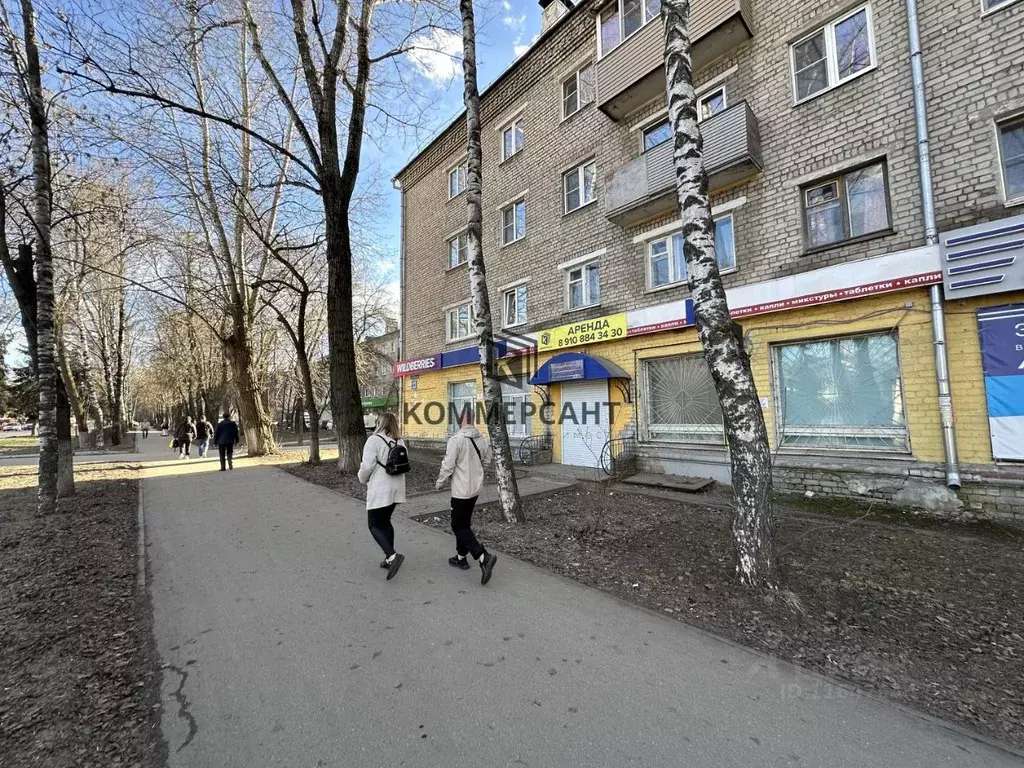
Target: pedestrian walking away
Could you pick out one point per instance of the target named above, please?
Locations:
(204, 431)
(382, 471)
(464, 460)
(226, 438)
(184, 435)
(145, 429)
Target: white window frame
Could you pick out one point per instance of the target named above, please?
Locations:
(645, 127)
(686, 430)
(831, 59)
(448, 322)
(461, 166)
(455, 238)
(580, 104)
(667, 239)
(645, 20)
(514, 293)
(988, 8)
(778, 407)
(702, 97)
(1016, 119)
(580, 172)
(511, 126)
(588, 300)
(517, 235)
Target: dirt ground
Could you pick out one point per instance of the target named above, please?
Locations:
(926, 613)
(79, 684)
(420, 479)
(24, 445)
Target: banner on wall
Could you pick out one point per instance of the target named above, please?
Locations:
(607, 328)
(1001, 330)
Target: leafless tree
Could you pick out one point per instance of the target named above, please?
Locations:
(508, 489)
(749, 450)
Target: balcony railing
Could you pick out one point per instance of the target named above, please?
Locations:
(634, 73)
(645, 187)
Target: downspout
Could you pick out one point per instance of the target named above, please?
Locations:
(401, 294)
(931, 237)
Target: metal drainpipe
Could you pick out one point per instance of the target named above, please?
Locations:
(931, 236)
(401, 290)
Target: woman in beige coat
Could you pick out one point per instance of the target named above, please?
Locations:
(383, 491)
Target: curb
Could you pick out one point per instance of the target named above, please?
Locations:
(140, 576)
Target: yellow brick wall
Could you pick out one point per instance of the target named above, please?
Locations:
(908, 312)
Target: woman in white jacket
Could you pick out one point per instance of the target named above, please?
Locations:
(383, 491)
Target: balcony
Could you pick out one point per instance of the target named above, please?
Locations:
(634, 73)
(645, 187)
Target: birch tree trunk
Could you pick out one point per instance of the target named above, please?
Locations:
(753, 525)
(47, 349)
(508, 489)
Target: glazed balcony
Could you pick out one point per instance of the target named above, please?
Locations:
(633, 73)
(645, 187)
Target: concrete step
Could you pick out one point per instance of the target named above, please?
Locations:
(671, 482)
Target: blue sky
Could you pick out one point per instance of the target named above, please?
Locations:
(505, 31)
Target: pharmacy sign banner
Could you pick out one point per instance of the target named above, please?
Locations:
(1002, 359)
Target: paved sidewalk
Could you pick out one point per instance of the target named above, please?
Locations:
(285, 646)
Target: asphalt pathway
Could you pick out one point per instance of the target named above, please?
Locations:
(283, 645)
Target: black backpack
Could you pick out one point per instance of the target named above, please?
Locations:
(398, 458)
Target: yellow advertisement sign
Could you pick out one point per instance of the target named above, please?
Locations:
(607, 328)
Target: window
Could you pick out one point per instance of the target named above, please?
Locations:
(513, 222)
(622, 18)
(459, 322)
(1011, 151)
(577, 91)
(578, 186)
(457, 180)
(657, 134)
(515, 397)
(841, 393)
(512, 139)
(681, 403)
(461, 395)
(458, 250)
(667, 266)
(584, 286)
(710, 104)
(834, 54)
(991, 5)
(514, 307)
(848, 206)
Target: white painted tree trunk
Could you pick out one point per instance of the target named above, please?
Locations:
(47, 351)
(753, 522)
(508, 489)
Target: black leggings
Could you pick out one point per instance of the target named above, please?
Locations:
(462, 520)
(381, 529)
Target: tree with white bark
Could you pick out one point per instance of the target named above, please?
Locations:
(753, 525)
(508, 489)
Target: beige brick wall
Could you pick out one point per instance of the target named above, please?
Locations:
(973, 75)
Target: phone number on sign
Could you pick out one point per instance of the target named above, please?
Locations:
(575, 340)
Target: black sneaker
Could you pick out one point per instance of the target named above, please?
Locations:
(487, 567)
(459, 562)
(384, 563)
(394, 565)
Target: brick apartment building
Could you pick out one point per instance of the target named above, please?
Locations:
(376, 367)
(823, 237)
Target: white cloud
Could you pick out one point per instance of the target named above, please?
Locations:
(506, 5)
(437, 54)
(519, 48)
(514, 22)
